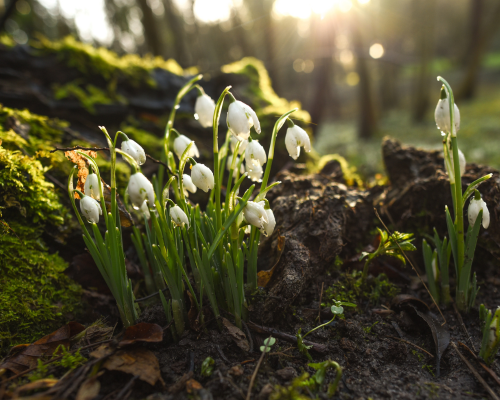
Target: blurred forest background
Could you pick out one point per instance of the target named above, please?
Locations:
(362, 68)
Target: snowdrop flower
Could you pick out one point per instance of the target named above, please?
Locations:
(204, 109)
(442, 115)
(140, 189)
(477, 204)
(255, 214)
(188, 184)
(295, 138)
(91, 209)
(91, 187)
(180, 144)
(240, 118)
(461, 161)
(134, 150)
(255, 172)
(202, 177)
(229, 162)
(178, 216)
(243, 145)
(145, 209)
(255, 154)
(268, 227)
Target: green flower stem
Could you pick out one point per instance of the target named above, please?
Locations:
(319, 326)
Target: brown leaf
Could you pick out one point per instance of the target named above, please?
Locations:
(81, 163)
(135, 361)
(192, 386)
(89, 389)
(39, 384)
(263, 277)
(142, 332)
(44, 347)
(181, 383)
(237, 335)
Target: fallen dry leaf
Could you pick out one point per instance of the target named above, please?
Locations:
(81, 163)
(181, 383)
(89, 389)
(237, 335)
(134, 360)
(263, 277)
(40, 384)
(142, 332)
(192, 386)
(26, 356)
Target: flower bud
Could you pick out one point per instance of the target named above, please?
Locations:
(494, 337)
(178, 216)
(140, 189)
(243, 145)
(240, 118)
(134, 150)
(180, 144)
(255, 172)
(204, 109)
(202, 177)
(268, 227)
(442, 116)
(294, 139)
(91, 186)
(255, 154)
(462, 162)
(475, 206)
(91, 209)
(188, 184)
(255, 214)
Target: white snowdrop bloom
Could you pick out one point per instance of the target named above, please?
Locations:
(134, 150)
(229, 162)
(204, 109)
(255, 214)
(178, 216)
(243, 145)
(202, 177)
(255, 154)
(255, 172)
(461, 160)
(140, 189)
(188, 184)
(91, 209)
(442, 117)
(145, 209)
(91, 186)
(295, 138)
(180, 144)
(268, 227)
(240, 118)
(474, 207)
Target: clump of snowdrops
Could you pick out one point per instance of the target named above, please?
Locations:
(185, 247)
(459, 243)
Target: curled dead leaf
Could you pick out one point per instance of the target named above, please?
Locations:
(237, 335)
(142, 332)
(263, 277)
(192, 386)
(89, 389)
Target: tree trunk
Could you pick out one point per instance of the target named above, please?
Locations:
(151, 32)
(176, 26)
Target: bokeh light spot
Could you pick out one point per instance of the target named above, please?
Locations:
(376, 50)
(352, 78)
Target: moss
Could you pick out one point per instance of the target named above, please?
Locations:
(316, 163)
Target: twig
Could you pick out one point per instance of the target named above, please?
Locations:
(463, 325)
(475, 373)
(412, 344)
(409, 261)
(254, 375)
(149, 296)
(320, 298)
(102, 149)
(221, 353)
(486, 368)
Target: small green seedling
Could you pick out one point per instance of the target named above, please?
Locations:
(337, 309)
(390, 245)
(268, 343)
(491, 334)
(207, 367)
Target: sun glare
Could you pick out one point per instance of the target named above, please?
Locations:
(376, 50)
(304, 9)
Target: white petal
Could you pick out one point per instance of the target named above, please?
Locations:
(91, 209)
(140, 189)
(205, 108)
(254, 121)
(135, 150)
(188, 184)
(202, 177)
(178, 216)
(237, 121)
(91, 186)
(255, 153)
(180, 144)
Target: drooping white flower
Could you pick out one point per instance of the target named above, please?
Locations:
(268, 227)
(134, 150)
(255, 172)
(255, 214)
(91, 209)
(178, 216)
(145, 209)
(255, 154)
(180, 144)
(140, 189)
(229, 162)
(474, 207)
(243, 145)
(188, 184)
(295, 138)
(442, 117)
(462, 162)
(202, 177)
(204, 109)
(240, 118)
(91, 186)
